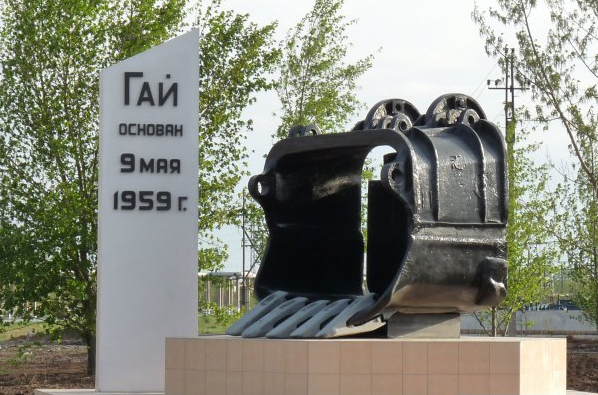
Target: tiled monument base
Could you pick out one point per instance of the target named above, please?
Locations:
(223, 365)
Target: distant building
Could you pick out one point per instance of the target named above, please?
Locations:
(226, 289)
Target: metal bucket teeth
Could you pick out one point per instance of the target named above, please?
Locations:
(284, 329)
(314, 324)
(261, 309)
(277, 318)
(265, 324)
(338, 325)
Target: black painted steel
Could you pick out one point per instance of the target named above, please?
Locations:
(436, 218)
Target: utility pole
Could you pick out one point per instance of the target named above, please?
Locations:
(252, 240)
(508, 86)
(244, 275)
(255, 240)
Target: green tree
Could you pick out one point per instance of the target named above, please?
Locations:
(560, 65)
(530, 252)
(236, 57)
(51, 54)
(577, 233)
(316, 84)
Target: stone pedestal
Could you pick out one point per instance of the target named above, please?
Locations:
(223, 365)
(424, 326)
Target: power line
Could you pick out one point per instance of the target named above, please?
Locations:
(480, 86)
(507, 86)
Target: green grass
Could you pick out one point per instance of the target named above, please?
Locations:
(209, 325)
(14, 331)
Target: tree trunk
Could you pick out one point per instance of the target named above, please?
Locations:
(90, 342)
(493, 333)
(512, 327)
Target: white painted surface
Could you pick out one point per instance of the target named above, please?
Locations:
(572, 322)
(554, 320)
(147, 259)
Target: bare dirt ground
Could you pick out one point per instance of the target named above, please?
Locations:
(64, 366)
(582, 364)
(42, 366)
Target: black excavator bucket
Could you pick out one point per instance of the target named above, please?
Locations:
(436, 221)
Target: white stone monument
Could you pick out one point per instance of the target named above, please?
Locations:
(147, 237)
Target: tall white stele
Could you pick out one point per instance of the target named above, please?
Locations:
(147, 236)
